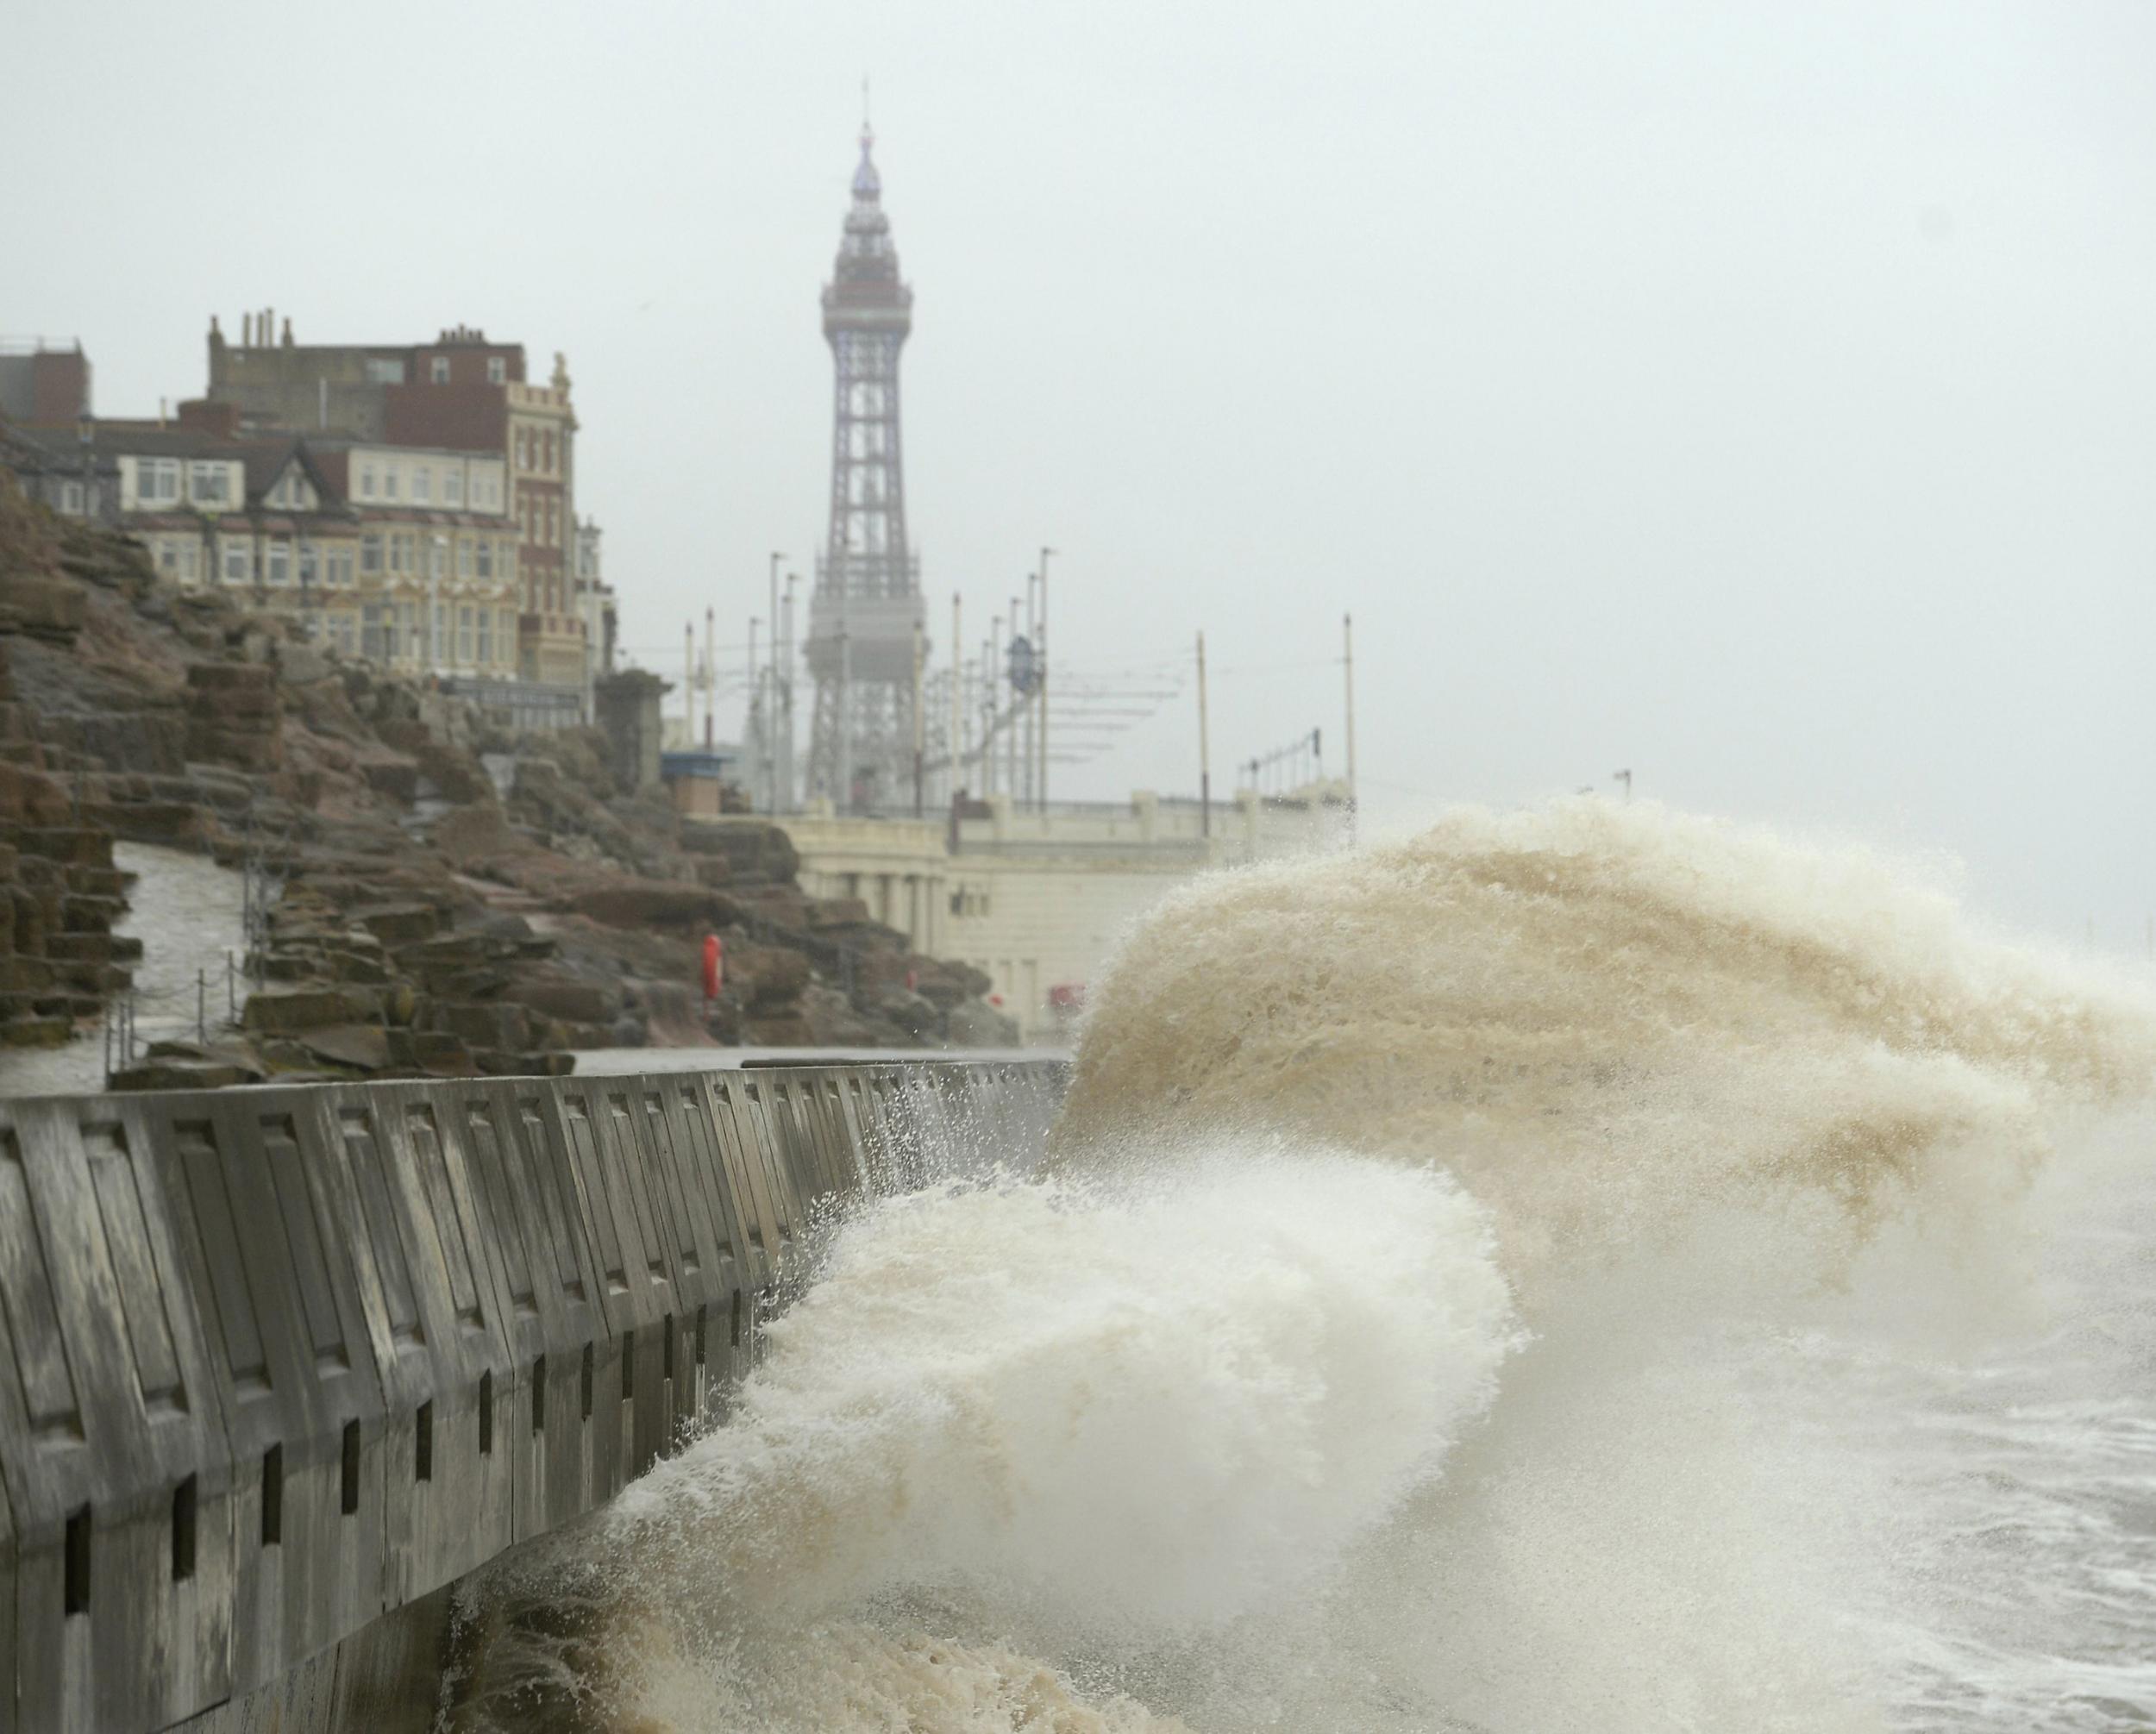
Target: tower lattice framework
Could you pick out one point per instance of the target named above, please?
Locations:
(867, 605)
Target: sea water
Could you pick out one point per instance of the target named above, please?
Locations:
(1585, 1268)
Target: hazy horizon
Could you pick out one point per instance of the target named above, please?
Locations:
(1764, 402)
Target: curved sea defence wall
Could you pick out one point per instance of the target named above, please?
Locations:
(281, 1362)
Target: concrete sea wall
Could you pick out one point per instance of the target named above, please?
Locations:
(282, 1364)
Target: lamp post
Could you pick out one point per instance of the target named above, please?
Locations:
(1040, 658)
(1205, 753)
(1033, 642)
(749, 724)
(770, 732)
(1347, 670)
(1010, 672)
(786, 693)
(991, 678)
(957, 697)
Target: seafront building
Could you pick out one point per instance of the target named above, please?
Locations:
(405, 556)
(43, 384)
(1036, 898)
(459, 393)
(413, 505)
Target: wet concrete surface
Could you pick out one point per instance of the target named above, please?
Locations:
(186, 911)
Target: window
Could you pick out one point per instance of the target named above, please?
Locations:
(464, 556)
(497, 370)
(71, 498)
(309, 565)
(278, 565)
(408, 627)
(439, 641)
(167, 555)
(370, 553)
(485, 546)
(384, 371)
(441, 370)
(549, 464)
(190, 563)
(453, 486)
(367, 481)
(404, 553)
(438, 557)
(338, 567)
(423, 484)
(390, 482)
(238, 563)
(156, 481)
(487, 637)
(374, 636)
(206, 484)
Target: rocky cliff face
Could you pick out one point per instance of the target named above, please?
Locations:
(59, 892)
(448, 900)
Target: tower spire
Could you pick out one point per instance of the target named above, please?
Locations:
(867, 605)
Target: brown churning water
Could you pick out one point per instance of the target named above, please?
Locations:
(1604, 1015)
(1590, 1266)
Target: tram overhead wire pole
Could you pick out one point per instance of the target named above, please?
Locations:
(1347, 670)
(920, 721)
(1040, 651)
(1019, 792)
(957, 694)
(1205, 748)
(770, 721)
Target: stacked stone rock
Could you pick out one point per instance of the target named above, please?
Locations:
(60, 896)
(233, 717)
(166, 717)
(402, 989)
(873, 985)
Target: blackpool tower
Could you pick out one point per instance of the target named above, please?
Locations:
(865, 618)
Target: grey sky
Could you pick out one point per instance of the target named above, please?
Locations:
(1760, 397)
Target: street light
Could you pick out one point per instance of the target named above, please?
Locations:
(770, 720)
(1040, 658)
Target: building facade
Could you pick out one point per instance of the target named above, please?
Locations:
(460, 394)
(1037, 901)
(403, 556)
(595, 601)
(43, 384)
(541, 443)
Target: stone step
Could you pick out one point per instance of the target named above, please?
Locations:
(36, 1032)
